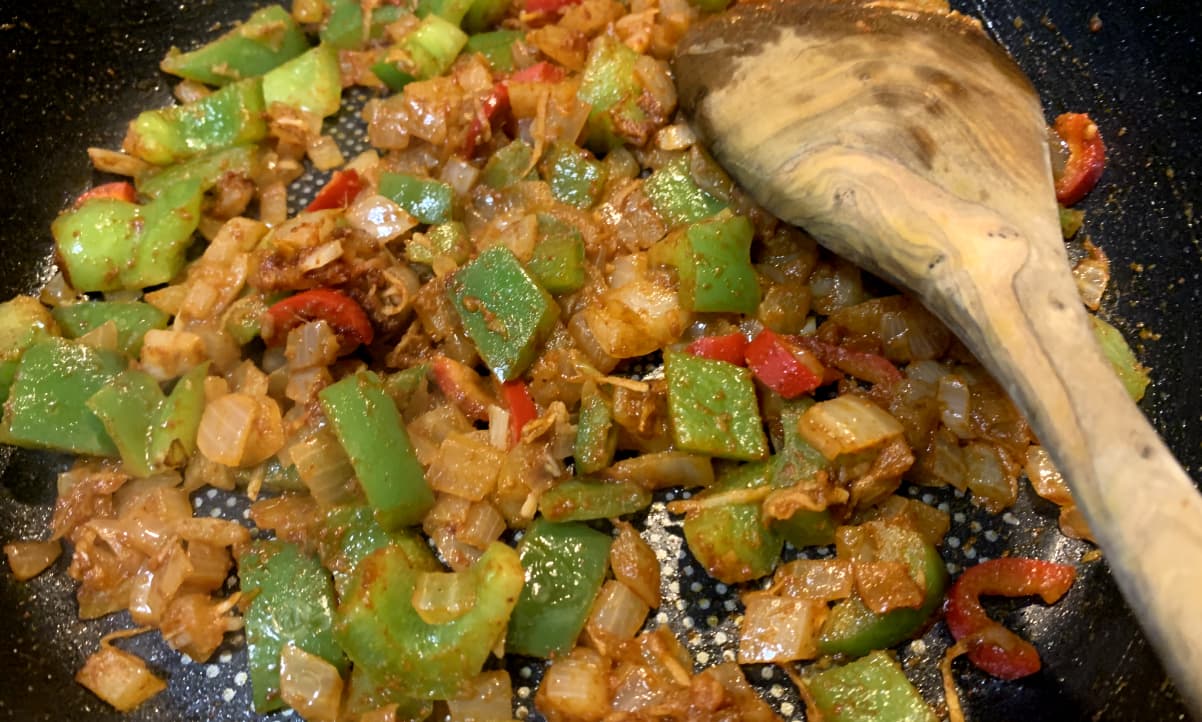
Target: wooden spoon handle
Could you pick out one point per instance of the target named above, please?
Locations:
(1140, 503)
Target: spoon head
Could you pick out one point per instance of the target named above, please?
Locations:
(902, 138)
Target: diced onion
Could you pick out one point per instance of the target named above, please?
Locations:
(576, 686)
(379, 217)
(954, 399)
(486, 697)
(309, 684)
(988, 481)
(324, 467)
(240, 430)
(103, 338)
(210, 566)
(1092, 274)
(195, 624)
(824, 580)
(847, 424)
(440, 597)
(116, 162)
(465, 466)
(886, 585)
(273, 203)
(664, 469)
(460, 175)
(634, 564)
(483, 526)
(119, 678)
(311, 344)
(618, 614)
(27, 559)
(1045, 477)
(677, 136)
(779, 629)
(169, 354)
(324, 152)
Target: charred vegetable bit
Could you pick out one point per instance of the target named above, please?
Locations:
(503, 309)
(713, 408)
(132, 318)
(291, 602)
(565, 565)
(231, 116)
(403, 654)
(729, 537)
(871, 689)
(110, 245)
(268, 38)
(994, 648)
(370, 429)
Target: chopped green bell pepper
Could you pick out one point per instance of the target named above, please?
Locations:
(1116, 350)
(383, 633)
(558, 260)
(291, 602)
(797, 461)
(731, 540)
(853, 629)
(496, 47)
(504, 311)
(713, 264)
(426, 199)
(209, 168)
(871, 689)
(450, 10)
(449, 240)
(371, 431)
(432, 47)
(712, 408)
(610, 85)
(587, 499)
(565, 566)
(485, 14)
(344, 26)
(47, 408)
(268, 38)
(348, 534)
(126, 405)
(596, 433)
(132, 318)
(677, 197)
(575, 176)
(23, 321)
(311, 82)
(173, 431)
(108, 244)
(366, 694)
(391, 76)
(231, 116)
(402, 385)
(507, 166)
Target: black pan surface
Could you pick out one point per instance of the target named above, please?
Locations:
(74, 74)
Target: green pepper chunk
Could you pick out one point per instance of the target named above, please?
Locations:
(23, 321)
(596, 433)
(402, 654)
(108, 244)
(575, 176)
(173, 432)
(447, 240)
(403, 385)
(504, 311)
(432, 47)
(450, 10)
(731, 540)
(713, 263)
(496, 47)
(8, 370)
(871, 689)
(132, 319)
(426, 199)
(231, 116)
(713, 408)
(371, 431)
(208, 169)
(677, 197)
(292, 602)
(311, 82)
(485, 14)
(268, 38)
(508, 166)
(1116, 350)
(796, 461)
(344, 26)
(558, 260)
(126, 405)
(854, 629)
(365, 694)
(348, 534)
(565, 566)
(47, 408)
(391, 76)
(611, 87)
(587, 499)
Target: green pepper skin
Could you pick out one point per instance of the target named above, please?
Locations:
(267, 39)
(611, 87)
(558, 260)
(484, 14)
(173, 433)
(596, 434)
(402, 385)
(8, 370)
(292, 601)
(24, 321)
(796, 461)
(731, 541)
(391, 76)
(713, 263)
(575, 176)
(506, 166)
(311, 82)
(586, 500)
(132, 319)
(371, 431)
(433, 46)
(1122, 359)
(449, 240)
(348, 534)
(231, 116)
(504, 311)
(344, 26)
(407, 657)
(565, 566)
(208, 169)
(677, 197)
(871, 689)
(496, 47)
(427, 200)
(110, 245)
(713, 408)
(452, 11)
(853, 629)
(126, 406)
(47, 409)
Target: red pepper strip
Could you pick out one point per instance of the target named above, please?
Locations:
(521, 408)
(784, 367)
(463, 387)
(730, 348)
(548, 6)
(1086, 157)
(861, 364)
(344, 185)
(497, 102)
(119, 190)
(1001, 652)
(541, 72)
(342, 312)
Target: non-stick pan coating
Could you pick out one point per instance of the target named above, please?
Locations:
(73, 76)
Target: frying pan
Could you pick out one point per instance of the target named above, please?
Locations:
(75, 74)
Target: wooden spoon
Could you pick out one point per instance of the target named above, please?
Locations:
(910, 143)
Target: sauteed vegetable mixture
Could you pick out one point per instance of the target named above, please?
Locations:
(452, 381)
